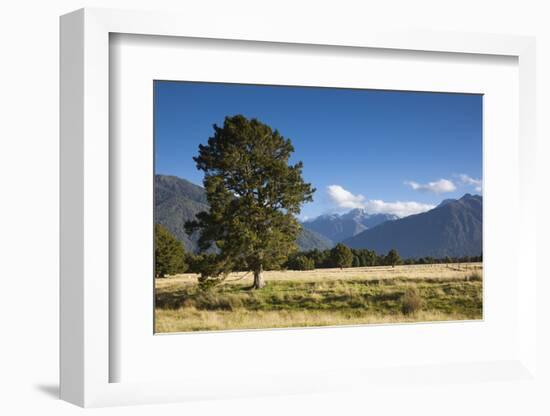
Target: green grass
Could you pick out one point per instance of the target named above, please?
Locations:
(304, 303)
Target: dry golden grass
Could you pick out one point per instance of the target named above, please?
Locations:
(191, 319)
(417, 271)
(324, 297)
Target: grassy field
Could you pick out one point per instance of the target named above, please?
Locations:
(353, 296)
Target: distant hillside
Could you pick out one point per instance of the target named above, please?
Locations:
(340, 227)
(453, 228)
(310, 240)
(178, 201)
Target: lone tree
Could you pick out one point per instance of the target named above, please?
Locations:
(169, 253)
(254, 195)
(393, 258)
(341, 256)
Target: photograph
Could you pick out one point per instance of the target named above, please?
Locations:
(297, 206)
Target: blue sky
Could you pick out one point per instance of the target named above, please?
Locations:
(386, 151)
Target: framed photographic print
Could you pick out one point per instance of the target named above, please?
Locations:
(282, 234)
(286, 213)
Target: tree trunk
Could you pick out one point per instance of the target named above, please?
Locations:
(258, 279)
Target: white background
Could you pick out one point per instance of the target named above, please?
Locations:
(29, 208)
(137, 61)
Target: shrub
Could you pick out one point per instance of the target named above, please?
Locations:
(474, 277)
(411, 301)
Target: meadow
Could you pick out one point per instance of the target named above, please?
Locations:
(322, 297)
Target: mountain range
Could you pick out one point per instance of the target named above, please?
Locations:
(178, 201)
(339, 227)
(453, 228)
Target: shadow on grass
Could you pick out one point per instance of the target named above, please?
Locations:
(382, 296)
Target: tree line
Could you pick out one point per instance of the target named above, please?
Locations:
(171, 258)
(341, 256)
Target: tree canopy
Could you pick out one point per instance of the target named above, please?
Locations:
(169, 253)
(393, 258)
(341, 256)
(254, 196)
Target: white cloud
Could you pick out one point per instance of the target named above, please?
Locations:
(345, 199)
(468, 180)
(399, 208)
(437, 187)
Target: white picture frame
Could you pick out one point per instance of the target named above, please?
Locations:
(86, 353)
